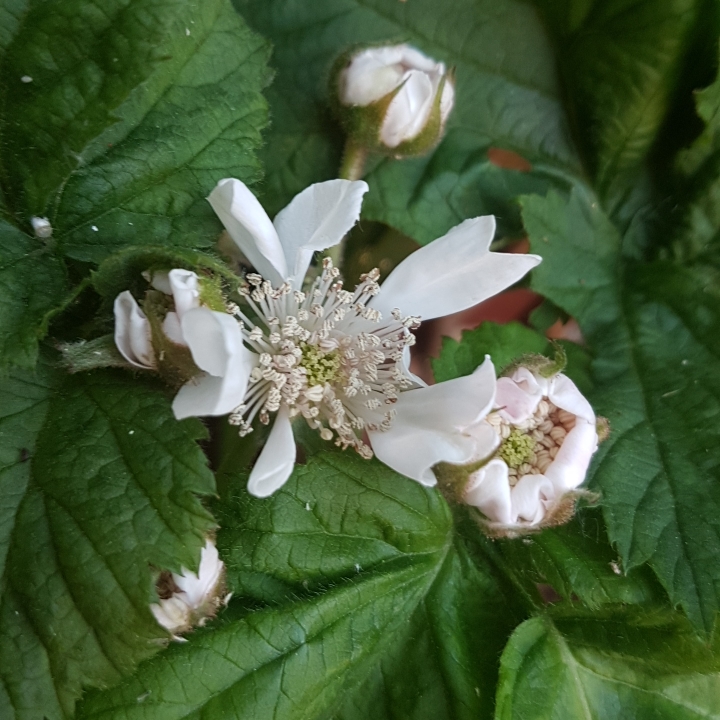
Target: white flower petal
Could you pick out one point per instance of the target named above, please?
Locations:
(184, 286)
(371, 75)
(250, 228)
(132, 332)
(172, 329)
(531, 497)
(172, 613)
(563, 392)
(215, 341)
(409, 110)
(430, 422)
(160, 280)
(277, 459)
(316, 219)
(452, 273)
(516, 402)
(489, 491)
(197, 588)
(412, 58)
(570, 465)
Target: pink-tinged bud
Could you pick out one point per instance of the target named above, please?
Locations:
(546, 435)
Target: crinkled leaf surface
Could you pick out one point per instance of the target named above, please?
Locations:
(32, 283)
(607, 667)
(698, 168)
(654, 331)
(507, 95)
(98, 482)
(621, 63)
(119, 117)
(577, 561)
(505, 343)
(373, 608)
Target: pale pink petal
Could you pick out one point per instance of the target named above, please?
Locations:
(569, 468)
(489, 491)
(531, 497)
(515, 403)
(564, 393)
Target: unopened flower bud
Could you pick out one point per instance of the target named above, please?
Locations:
(393, 99)
(190, 598)
(41, 227)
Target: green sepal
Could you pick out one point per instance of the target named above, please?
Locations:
(561, 513)
(87, 355)
(544, 366)
(174, 362)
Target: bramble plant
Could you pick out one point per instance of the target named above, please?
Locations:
(234, 485)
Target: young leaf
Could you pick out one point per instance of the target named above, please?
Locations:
(373, 605)
(506, 98)
(607, 667)
(654, 331)
(118, 120)
(98, 483)
(33, 282)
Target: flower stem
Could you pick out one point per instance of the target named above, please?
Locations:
(352, 167)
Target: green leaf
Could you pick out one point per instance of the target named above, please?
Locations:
(577, 561)
(621, 62)
(654, 332)
(133, 112)
(375, 610)
(123, 270)
(698, 239)
(607, 667)
(506, 99)
(98, 483)
(505, 343)
(32, 283)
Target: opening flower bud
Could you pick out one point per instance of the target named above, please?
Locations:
(393, 99)
(545, 434)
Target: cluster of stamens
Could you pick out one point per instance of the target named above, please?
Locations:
(323, 354)
(529, 447)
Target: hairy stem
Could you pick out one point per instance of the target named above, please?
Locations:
(351, 168)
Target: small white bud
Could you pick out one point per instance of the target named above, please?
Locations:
(41, 227)
(396, 97)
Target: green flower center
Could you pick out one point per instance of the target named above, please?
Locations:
(320, 367)
(517, 448)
